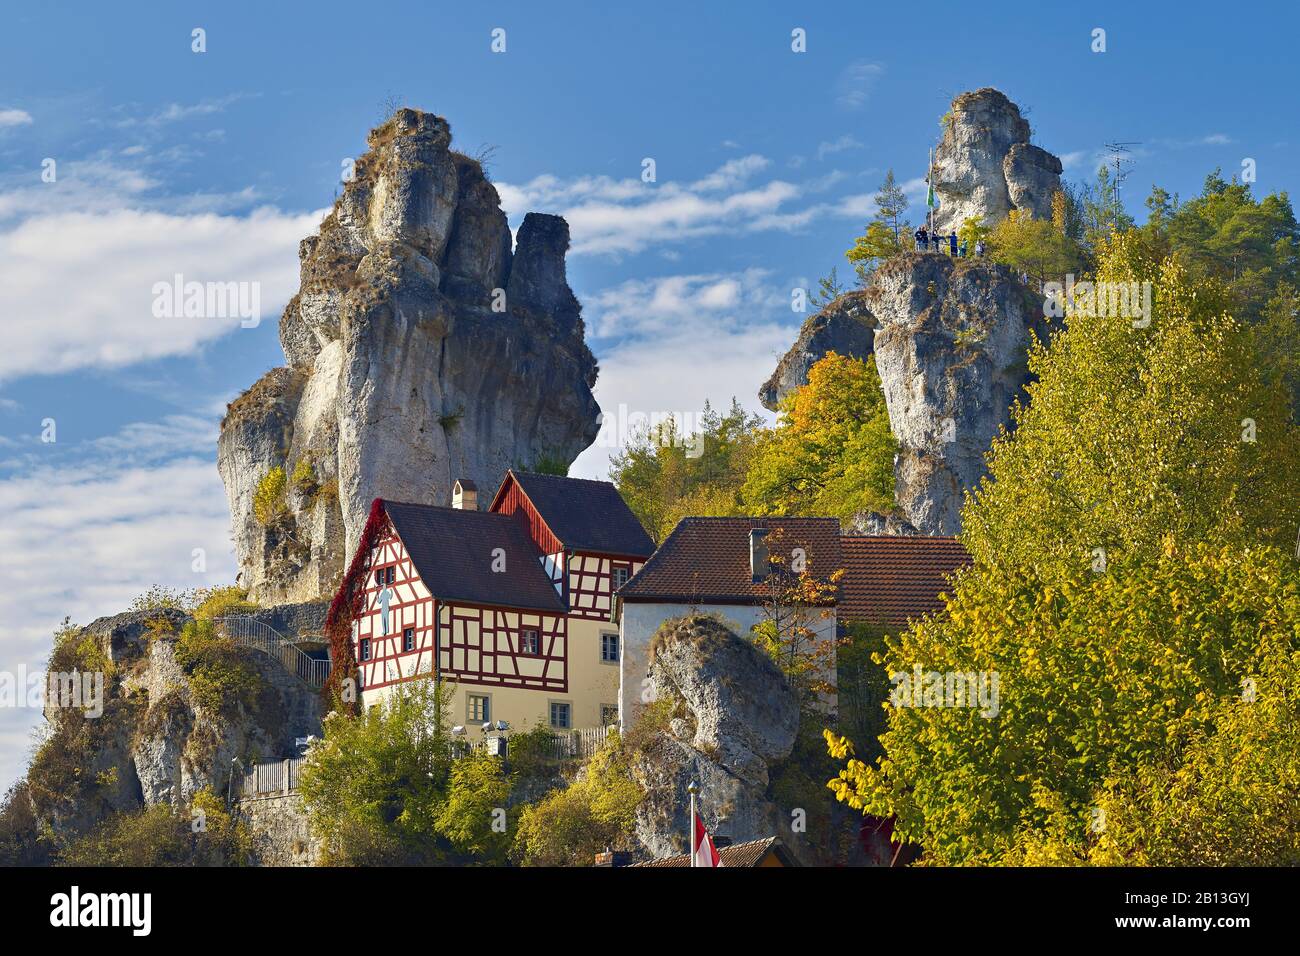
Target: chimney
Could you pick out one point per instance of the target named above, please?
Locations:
(464, 495)
(758, 563)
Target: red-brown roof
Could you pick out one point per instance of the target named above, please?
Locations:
(707, 559)
(891, 579)
(741, 856)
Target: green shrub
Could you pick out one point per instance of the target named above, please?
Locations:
(304, 476)
(268, 499)
(223, 601)
(218, 675)
(157, 836)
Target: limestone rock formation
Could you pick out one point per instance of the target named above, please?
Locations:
(153, 742)
(735, 716)
(421, 348)
(844, 326)
(951, 350)
(985, 166)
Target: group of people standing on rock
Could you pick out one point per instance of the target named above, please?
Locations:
(936, 241)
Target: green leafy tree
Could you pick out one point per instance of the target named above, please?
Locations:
(570, 825)
(829, 288)
(1252, 247)
(891, 203)
(1132, 549)
(374, 785)
(473, 816)
(665, 475)
(832, 452)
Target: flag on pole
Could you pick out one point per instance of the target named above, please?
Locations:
(703, 852)
(931, 199)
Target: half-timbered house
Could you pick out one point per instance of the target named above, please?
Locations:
(512, 606)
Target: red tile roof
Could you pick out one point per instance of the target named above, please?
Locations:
(741, 856)
(891, 579)
(706, 560)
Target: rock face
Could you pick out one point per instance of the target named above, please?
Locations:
(421, 348)
(735, 715)
(985, 166)
(844, 326)
(154, 743)
(949, 335)
(951, 349)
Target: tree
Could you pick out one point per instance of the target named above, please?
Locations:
(1101, 209)
(665, 475)
(1037, 247)
(473, 817)
(832, 452)
(891, 203)
(884, 234)
(1253, 247)
(787, 630)
(829, 289)
(1132, 568)
(596, 812)
(877, 244)
(374, 785)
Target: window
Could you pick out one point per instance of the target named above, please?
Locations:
(608, 714)
(530, 642)
(379, 578)
(559, 715)
(392, 575)
(609, 648)
(478, 709)
(408, 639)
(365, 648)
(620, 575)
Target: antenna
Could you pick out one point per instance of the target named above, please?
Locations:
(1120, 161)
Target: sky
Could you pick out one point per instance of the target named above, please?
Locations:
(126, 158)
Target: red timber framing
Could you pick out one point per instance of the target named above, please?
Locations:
(486, 646)
(410, 607)
(591, 582)
(478, 645)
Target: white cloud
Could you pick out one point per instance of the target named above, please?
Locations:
(82, 539)
(614, 217)
(14, 117)
(78, 286)
(641, 307)
(855, 83)
(683, 340)
(825, 149)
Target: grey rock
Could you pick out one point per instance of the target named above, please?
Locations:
(844, 326)
(738, 715)
(951, 349)
(402, 375)
(985, 167)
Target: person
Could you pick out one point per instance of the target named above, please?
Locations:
(936, 241)
(922, 238)
(979, 249)
(962, 250)
(952, 244)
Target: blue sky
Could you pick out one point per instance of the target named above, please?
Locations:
(215, 164)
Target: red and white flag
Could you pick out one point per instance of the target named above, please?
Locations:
(703, 852)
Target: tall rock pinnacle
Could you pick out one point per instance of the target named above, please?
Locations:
(421, 348)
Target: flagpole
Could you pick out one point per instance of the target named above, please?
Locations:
(929, 186)
(690, 838)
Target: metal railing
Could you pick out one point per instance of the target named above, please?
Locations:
(279, 777)
(250, 632)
